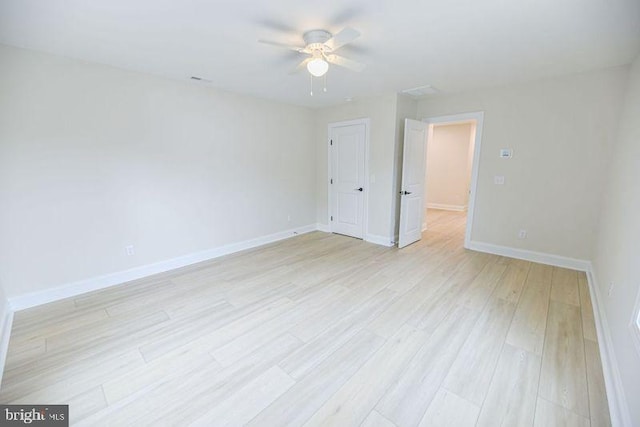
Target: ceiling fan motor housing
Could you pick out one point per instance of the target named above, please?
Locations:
(315, 39)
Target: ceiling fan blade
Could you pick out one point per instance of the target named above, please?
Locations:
(301, 66)
(349, 14)
(347, 35)
(346, 63)
(273, 24)
(283, 45)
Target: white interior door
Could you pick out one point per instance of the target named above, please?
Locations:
(412, 190)
(347, 181)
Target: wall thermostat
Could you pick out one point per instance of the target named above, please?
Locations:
(506, 153)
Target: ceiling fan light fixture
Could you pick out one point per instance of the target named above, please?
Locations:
(317, 67)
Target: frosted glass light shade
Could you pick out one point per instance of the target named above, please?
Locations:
(317, 67)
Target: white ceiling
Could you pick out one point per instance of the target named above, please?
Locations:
(453, 45)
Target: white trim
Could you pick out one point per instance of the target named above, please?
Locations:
(371, 238)
(618, 407)
(83, 286)
(634, 325)
(443, 207)
(478, 117)
(539, 257)
(7, 322)
(367, 186)
(323, 227)
(379, 240)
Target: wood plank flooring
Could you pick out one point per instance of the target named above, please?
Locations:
(322, 330)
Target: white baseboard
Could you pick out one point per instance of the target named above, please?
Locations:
(371, 238)
(83, 286)
(378, 240)
(618, 407)
(5, 329)
(443, 207)
(540, 257)
(323, 227)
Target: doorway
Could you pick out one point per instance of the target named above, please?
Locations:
(348, 170)
(415, 172)
(453, 153)
(449, 159)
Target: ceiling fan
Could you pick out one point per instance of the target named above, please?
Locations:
(320, 45)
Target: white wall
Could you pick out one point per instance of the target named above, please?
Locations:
(5, 313)
(94, 158)
(617, 255)
(561, 131)
(449, 162)
(382, 112)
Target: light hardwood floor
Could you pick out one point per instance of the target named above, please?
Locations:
(322, 330)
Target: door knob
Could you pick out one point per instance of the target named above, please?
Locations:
(359, 189)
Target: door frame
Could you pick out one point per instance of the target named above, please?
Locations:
(365, 214)
(456, 118)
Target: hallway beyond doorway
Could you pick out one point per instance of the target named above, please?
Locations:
(448, 224)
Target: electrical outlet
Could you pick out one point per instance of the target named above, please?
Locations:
(610, 291)
(522, 234)
(498, 179)
(288, 218)
(129, 250)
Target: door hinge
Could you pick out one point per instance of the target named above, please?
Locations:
(331, 142)
(331, 217)
(331, 181)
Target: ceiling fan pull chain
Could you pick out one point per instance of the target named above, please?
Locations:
(325, 83)
(311, 83)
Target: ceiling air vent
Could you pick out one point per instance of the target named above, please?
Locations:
(199, 79)
(421, 91)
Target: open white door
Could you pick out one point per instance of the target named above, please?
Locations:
(412, 190)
